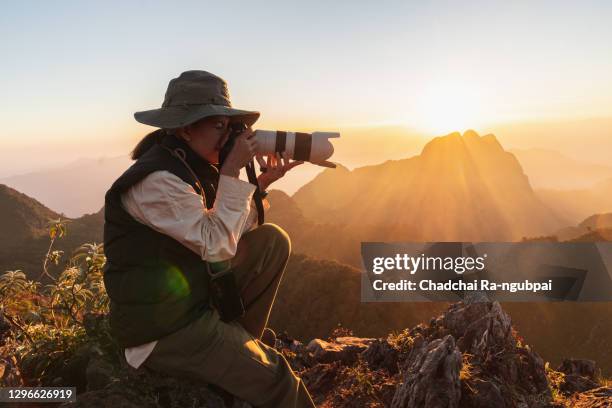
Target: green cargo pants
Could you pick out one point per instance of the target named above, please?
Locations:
(227, 354)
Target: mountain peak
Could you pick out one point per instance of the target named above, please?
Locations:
(456, 142)
(470, 133)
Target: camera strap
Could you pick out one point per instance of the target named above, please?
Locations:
(181, 155)
(250, 171)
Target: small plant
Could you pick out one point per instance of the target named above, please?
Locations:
(57, 229)
(401, 341)
(362, 377)
(51, 323)
(467, 369)
(555, 380)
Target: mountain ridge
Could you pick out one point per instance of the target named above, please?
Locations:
(457, 181)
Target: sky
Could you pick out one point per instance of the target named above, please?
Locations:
(73, 73)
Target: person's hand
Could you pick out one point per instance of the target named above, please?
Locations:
(242, 152)
(276, 166)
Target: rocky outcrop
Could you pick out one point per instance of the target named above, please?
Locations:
(469, 356)
(431, 375)
(381, 355)
(500, 367)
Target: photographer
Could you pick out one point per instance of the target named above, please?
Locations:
(176, 217)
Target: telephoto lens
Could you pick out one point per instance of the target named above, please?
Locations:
(311, 147)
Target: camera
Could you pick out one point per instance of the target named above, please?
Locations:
(311, 147)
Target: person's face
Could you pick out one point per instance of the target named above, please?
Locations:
(207, 136)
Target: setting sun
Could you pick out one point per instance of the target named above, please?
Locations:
(445, 107)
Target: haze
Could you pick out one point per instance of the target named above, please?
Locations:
(388, 76)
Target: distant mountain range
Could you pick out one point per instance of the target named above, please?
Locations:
(460, 187)
(598, 224)
(78, 188)
(578, 204)
(549, 169)
(75, 189)
(358, 148)
(587, 139)
(462, 184)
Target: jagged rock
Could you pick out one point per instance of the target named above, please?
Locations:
(516, 378)
(343, 349)
(478, 393)
(380, 354)
(431, 378)
(475, 296)
(581, 367)
(479, 327)
(499, 368)
(427, 331)
(579, 376)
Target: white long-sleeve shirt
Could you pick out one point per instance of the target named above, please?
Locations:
(167, 204)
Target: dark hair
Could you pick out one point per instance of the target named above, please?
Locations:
(155, 137)
(147, 142)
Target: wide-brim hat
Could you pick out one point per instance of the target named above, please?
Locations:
(194, 95)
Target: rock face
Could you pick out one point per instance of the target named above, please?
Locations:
(470, 356)
(485, 366)
(431, 376)
(381, 355)
(479, 328)
(500, 368)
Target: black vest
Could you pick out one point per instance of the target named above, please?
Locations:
(155, 284)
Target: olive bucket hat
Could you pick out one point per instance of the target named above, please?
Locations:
(194, 95)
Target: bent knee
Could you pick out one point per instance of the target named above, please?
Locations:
(277, 235)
